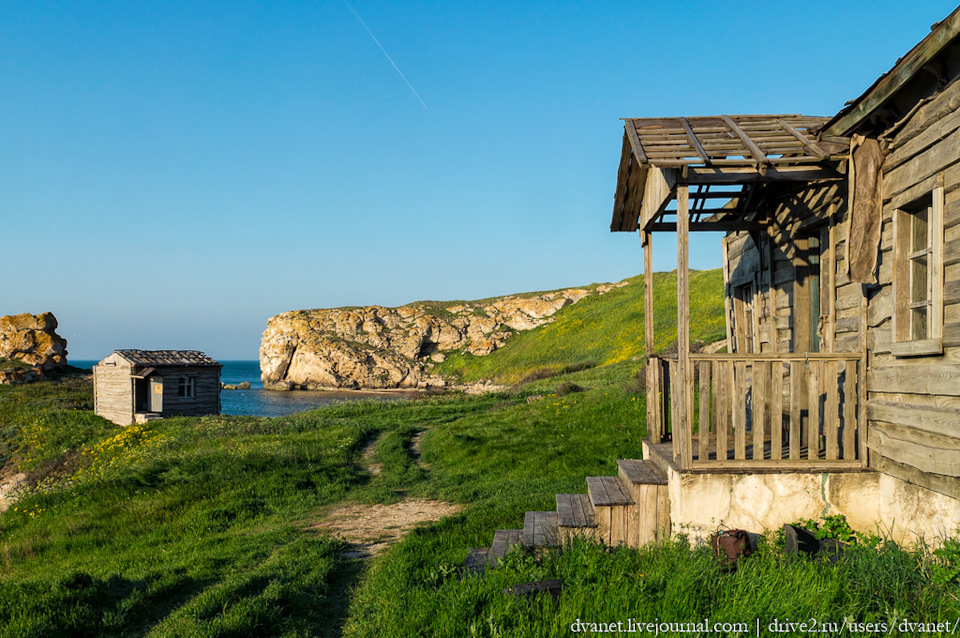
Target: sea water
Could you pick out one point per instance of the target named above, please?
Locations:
(259, 402)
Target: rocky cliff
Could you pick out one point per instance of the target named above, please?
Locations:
(31, 346)
(378, 348)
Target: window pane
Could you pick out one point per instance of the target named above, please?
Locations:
(918, 323)
(918, 239)
(918, 279)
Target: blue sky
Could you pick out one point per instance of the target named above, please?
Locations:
(173, 174)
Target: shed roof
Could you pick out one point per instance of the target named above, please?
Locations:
(167, 358)
(724, 156)
(725, 140)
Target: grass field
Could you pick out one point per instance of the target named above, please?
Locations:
(601, 329)
(204, 526)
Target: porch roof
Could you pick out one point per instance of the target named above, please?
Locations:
(725, 157)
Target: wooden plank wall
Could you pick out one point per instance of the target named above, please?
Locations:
(207, 399)
(772, 264)
(913, 403)
(114, 393)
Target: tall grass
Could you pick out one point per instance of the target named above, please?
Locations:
(670, 583)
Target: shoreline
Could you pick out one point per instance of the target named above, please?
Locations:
(470, 388)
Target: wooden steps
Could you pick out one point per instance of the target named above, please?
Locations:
(650, 517)
(575, 517)
(503, 540)
(612, 503)
(632, 508)
(476, 562)
(540, 529)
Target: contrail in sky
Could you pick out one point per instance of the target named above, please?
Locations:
(387, 55)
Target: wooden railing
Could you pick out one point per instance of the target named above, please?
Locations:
(753, 412)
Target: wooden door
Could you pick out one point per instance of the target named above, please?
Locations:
(155, 396)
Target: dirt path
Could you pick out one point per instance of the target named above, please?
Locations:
(368, 456)
(372, 528)
(369, 529)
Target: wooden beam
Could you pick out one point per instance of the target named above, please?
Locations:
(671, 227)
(755, 151)
(694, 141)
(727, 314)
(770, 466)
(648, 293)
(717, 194)
(696, 175)
(685, 373)
(808, 143)
(631, 130)
(783, 356)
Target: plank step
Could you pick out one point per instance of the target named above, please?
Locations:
(540, 529)
(476, 562)
(503, 540)
(659, 454)
(575, 510)
(638, 472)
(608, 491)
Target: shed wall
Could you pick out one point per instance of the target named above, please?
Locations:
(207, 398)
(113, 390)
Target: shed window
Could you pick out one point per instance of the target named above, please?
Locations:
(918, 277)
(187, 387)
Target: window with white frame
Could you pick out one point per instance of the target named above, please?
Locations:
(918, 276)
(187, 388)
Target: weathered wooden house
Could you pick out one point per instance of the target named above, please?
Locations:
(134, 386)
(840, 391)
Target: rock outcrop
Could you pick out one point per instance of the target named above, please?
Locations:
(33, 345)
(379, 348)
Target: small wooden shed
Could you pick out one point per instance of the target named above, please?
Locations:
(135, 386)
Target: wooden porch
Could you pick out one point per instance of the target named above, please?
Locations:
(750, 411)
(730, 412)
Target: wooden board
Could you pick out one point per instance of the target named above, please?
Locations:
(540, 529)
(575, 510)
(850, 402)
(503, 540)
(926, 452)
(776, 410)
(927, 378)
(636, 471)
(607, 490)
(932, 419)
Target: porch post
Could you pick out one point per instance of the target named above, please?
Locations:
(646, 237)
(683, 431)
(653, 369)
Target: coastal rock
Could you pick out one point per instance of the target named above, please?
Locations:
(33, 343)
(374, 347)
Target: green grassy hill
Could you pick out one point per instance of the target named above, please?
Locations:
(601, 330)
